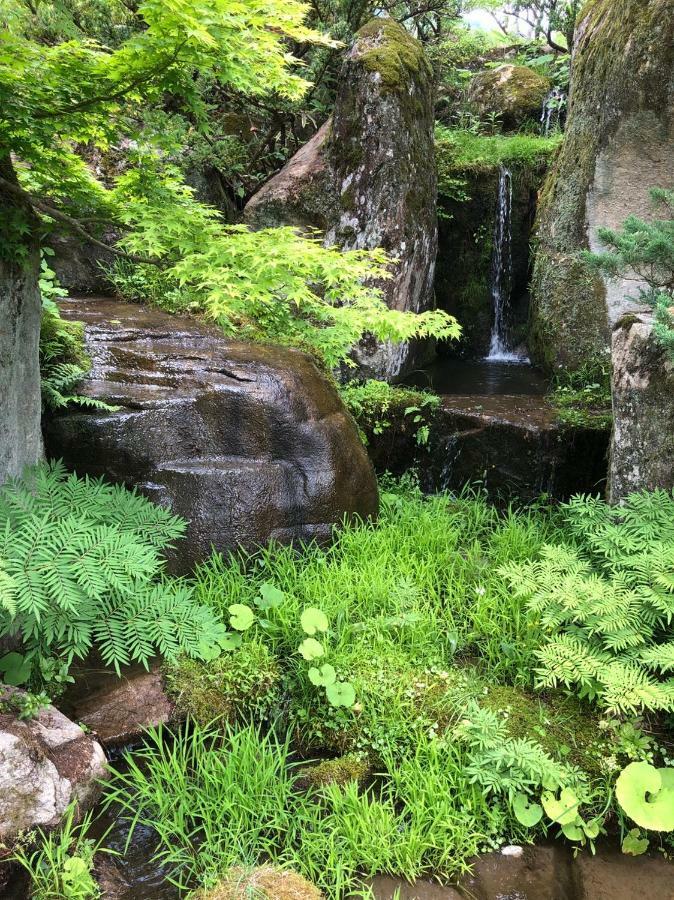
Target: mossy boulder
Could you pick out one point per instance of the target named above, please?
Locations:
(619, 143)
(265, 883)
(367, 177)
(340, 771)
(513, 94)
(243, 685)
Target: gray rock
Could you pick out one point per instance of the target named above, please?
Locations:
(642, 447)
(367, 179)
(619, 142)
(249, 443)
(81, 267)
(46, 763)
(20, 312)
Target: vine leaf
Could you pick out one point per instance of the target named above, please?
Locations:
(634, 843)
(313, 620)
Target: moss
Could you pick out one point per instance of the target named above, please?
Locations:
(515, 93)
(389, 49)
(239, 686)
(462, 153)
(564, 727)
(335, 771)
(265, 883)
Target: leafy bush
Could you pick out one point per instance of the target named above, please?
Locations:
(81, 567)
(606, 602)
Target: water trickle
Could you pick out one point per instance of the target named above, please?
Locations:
(552, 110)
(500, 349)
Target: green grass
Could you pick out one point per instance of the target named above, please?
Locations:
(460, 152)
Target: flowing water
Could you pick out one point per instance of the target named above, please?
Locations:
(551, 112)
(500, 349)
(448, 375)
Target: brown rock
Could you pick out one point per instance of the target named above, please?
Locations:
(118, 709)
(249, 443)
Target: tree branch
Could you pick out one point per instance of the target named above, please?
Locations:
(17, 191)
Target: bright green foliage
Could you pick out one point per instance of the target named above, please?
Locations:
(606, 603)
(646, 794)
(274, 285)
(213, 802)
(644, 251)
(62, 867)
(80, 567)
(377, 406)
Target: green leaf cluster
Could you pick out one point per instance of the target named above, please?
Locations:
(605, 602)
(81, 567)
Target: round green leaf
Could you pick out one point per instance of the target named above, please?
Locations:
(634, 844)
(241, 616)
(230, 641)
(15, 668)
(313, 620)
(324, 676)
(563, 810)
(341, 693)
(311, 648)
(646, 794)
(573, 831)
(526, 812)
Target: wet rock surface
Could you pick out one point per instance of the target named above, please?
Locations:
(46, 763)
(513, 445)
(367, 178)
(642, 446)
(248, 443)
(118, 709)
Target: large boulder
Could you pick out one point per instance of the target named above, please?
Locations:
(642, 448)
(619, 143)
(248, 442)
(46, 763)
(513, 94)
(367, 177)
(20, 312)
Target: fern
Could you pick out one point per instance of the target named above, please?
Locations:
(606, 602)
(81, 567)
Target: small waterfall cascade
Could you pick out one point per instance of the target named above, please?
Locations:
(501, 273)
(552, 109)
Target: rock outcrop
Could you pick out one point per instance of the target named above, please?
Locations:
(513, 94)
(367, 177)
(20, 311)
(247, 442)
(46, 763)
(642, 448)
(619, 143)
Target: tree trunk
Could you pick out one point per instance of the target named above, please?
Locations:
(20, 404)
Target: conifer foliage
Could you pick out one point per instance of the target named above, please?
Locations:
(81, 567)
(606, 602)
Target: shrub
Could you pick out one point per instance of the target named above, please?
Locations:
(377, 406)
(606, 603)
(81, 567)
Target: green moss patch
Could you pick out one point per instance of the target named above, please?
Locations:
(390, 50)
(236, 687)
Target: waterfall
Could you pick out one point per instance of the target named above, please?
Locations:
(501, 272)
(552, 108)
